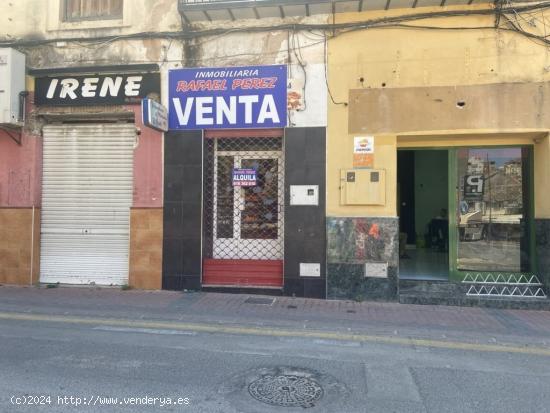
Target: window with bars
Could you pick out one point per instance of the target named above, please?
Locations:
(78, 10)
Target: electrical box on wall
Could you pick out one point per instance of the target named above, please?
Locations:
(376, 270)
(363, 187)
(304, 194)
(12, 83)
(309, 269)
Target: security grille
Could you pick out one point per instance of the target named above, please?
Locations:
(243, 219)
(86, 200)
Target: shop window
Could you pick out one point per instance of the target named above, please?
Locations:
(493, 213)
(79, 10)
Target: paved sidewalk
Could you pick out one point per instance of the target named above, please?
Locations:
(479, 325)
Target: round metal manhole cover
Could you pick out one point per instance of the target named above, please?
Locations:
(286, 390)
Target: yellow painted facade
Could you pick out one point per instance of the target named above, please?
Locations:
(388, 58)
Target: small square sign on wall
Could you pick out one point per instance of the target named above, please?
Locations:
(244, 177)
(363, 151)
(310, 269)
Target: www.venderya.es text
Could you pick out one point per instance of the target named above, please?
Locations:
(95, 400)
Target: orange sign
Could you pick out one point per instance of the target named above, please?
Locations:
(363, 160)
(363, 151)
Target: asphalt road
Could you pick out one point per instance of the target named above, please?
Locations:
(213, 369)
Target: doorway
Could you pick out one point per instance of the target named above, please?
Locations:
(243, 211)
(423, 199)
(247, 213)
(86, 201)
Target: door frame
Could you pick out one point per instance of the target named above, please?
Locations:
(458, 275)
(242, 273)
(448, 150)
(454, 274)
(238, 156)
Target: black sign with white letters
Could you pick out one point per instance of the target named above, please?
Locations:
(104, 89)
(474, 187)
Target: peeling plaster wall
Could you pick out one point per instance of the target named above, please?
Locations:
(402, 86)
(21, 165)
(303, 52)
(24, 20)
(391, 78)
(20, 199)
(42, 19)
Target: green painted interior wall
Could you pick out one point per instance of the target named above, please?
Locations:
(431, 184)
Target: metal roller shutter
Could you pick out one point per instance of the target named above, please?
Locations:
(86, 200)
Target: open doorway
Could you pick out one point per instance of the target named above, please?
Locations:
(423, 199)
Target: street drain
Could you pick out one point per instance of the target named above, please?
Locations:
(260, 300)
(286, 390)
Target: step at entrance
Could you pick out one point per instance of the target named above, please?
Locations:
(461, 294)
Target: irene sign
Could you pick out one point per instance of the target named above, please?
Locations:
(228, 97)
(104, 89)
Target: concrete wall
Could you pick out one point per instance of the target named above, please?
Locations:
(28, 20)
(412, 81)
(413, 88)
(303, 52)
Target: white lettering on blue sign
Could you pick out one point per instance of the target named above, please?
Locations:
(154, 115)
(226, 110)
(226, 73)
(244, 177)
(238, 97)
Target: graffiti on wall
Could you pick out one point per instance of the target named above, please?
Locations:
(358, 240)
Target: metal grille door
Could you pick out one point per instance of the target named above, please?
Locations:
(86, 200)
(244, 222)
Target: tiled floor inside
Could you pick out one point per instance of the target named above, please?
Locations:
(424, 264)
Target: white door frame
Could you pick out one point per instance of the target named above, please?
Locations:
(237, 248)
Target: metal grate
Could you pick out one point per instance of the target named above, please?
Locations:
(243, 219)
(286, 390)
(260, 300)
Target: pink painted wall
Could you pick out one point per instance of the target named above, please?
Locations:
(21, 168)
(20, 171)
(147, 165)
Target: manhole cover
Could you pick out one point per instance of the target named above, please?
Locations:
(264, 389)
(259, 300)
(286, 390)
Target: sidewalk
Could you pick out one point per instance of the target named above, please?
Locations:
(478, 325)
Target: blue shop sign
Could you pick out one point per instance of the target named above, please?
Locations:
(154, 115)
(244, 177)
(228, 97)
